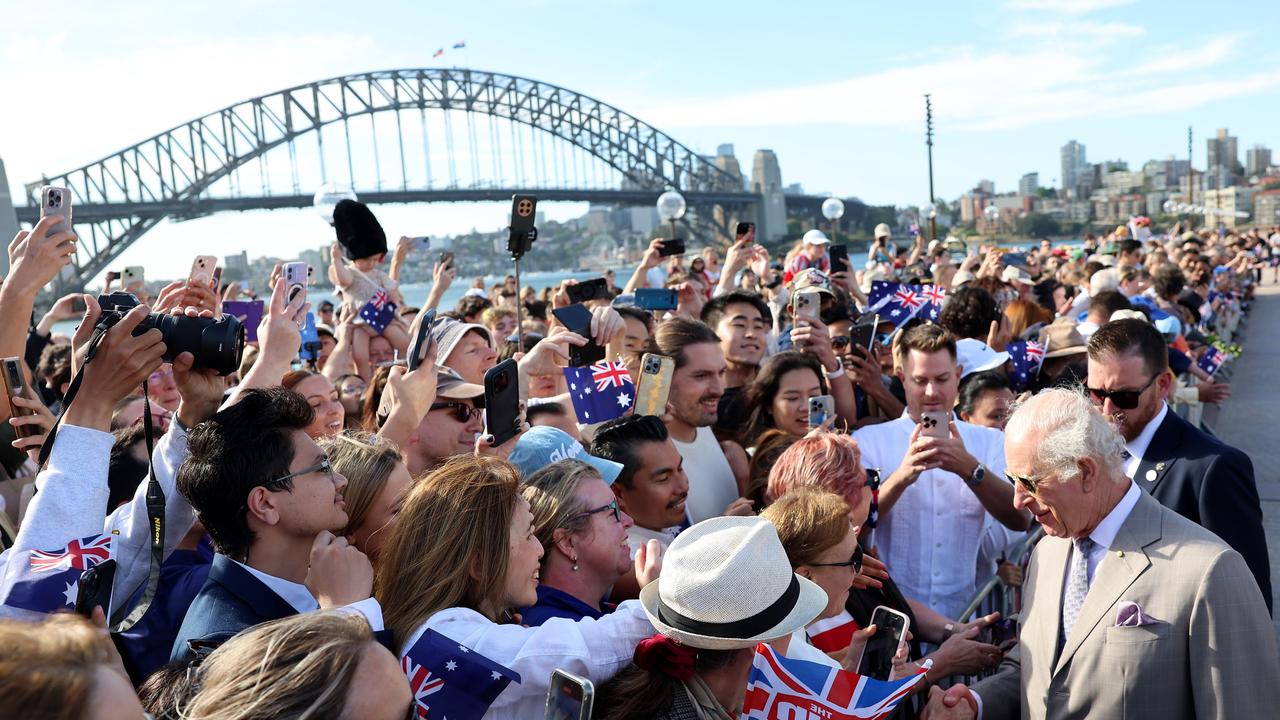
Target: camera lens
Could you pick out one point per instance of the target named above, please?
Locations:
(216, 343)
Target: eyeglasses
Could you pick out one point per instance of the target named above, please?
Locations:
(322, 467)
(1028, 483)
(854, 562)
(462, 412)
(613, 506)
(1123, 399)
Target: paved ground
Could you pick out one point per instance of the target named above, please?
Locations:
(1250, 419)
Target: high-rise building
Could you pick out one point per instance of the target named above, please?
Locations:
(1074, 166)
(1256, 160)
(1223, 166)
(1029, 184)
(766, 181)
(987, 186)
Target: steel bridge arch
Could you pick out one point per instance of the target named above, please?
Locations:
(143, 182)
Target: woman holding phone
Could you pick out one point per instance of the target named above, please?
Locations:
(778, 397)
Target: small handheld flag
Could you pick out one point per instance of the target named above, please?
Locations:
(780, 688)
(48, 580)
(450, 680)
(1211, 360)
(379, 311)
(601, 391)
(459, 45)
(1026, 357)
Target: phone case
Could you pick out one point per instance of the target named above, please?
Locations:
(56, 201)
(935, 424)
(576, 318)
(202, 270)
(501, 401)
(656, 298)
(569, 697)
(821, 407)
(14, 384)
(295, 279)
(674, 246)
(654, 385)
(425, 322)
(133, 275)
(877, 616)
(805, 306)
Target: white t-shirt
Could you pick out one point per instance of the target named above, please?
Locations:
(712, 486)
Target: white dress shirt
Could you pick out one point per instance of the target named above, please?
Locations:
(930, 537)
(1138, 446)
(1105, 533)
(300, 598)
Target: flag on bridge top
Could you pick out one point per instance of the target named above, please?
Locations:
(460, 44)
(601, 391)
(379, 311)
(48, 580)
(781, 688)
(1211, 360)
(1026, 357)
(450, 680)
(438, 53)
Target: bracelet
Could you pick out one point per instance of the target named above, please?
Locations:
(833, 374)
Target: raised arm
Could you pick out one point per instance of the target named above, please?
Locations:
(279, 337)
(651, 259)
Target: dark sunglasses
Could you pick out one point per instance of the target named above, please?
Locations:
(462, 412)
(613, 506)
(1123, 399)
(854, 562)
(840, 341)
(1026, 482)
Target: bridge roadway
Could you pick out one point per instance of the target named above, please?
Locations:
(1250, 418)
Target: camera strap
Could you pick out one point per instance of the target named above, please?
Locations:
(119, 621)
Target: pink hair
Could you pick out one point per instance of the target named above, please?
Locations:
(830, 461)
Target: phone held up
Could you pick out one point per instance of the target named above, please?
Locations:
(202, 269)
(821, 407)
(502, 401)
(593, 289)
(421, 340)
(656, 298)
(295, 280)
(877, 656)
(744, 228)
(654, 385)
(15, 385)
(576, 318)
(56, 202)
(674, 246)
(935, 424)
(805, 304)
(839, 256)
(524, 215)
(569, 698)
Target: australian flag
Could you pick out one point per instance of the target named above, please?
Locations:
(48, 580)
(1211, 360)
(379, 311)
(1026, 357)
(602, 391)
(450, 680)
(780, 688)
(898, 303)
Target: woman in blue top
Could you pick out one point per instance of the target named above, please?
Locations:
(583, 534)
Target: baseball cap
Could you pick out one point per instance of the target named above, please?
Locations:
(446, 332)
(1014, 274)
(975, 356)
(812, 278)
(542, 445)
(451, 386)
(816, 237)
(882, 230)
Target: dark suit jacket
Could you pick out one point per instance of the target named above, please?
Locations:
(1211, 484)
(231, 600)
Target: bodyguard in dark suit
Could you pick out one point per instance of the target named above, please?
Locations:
(270, 501)
(1186, 469)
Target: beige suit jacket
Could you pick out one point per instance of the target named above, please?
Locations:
(1210, 654)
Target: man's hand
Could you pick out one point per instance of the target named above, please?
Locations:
(407, 399)
(949, 453)
(122, 362)
(648, 562)
(280, 332)
(811, 336)
(35, 257)
(962, 654)
(742, 507)
(954, 704)
(442, 275)
(651, 257)
(739, 254)
(541, 360)
(339, 573)
(201, 390)
(1213, 392)
(919, 457)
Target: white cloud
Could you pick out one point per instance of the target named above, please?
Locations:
(1066, 7)
(1081, 30)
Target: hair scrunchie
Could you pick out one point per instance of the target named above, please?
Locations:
(667, 656)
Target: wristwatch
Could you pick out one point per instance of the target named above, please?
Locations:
(975, 479)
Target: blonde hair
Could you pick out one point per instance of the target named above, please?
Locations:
(450, 546)
(367, 461)
(490, 317)
(47, 668)
(552, 494)
(298, 667)
(809, 521)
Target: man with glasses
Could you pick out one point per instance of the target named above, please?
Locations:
(1186, 469)
(271, 503)
(1129, 609)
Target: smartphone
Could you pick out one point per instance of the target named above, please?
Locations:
(446, 259)
(935, 424)
(249, 313)
(421, 341)
(863, 333)
(877, 656)
(570, 697)
(202, 271)
(295, 280)
(821, 408)
(56, 201)
(310, 339)
(421, 243)
(577, 318)
(656, 298)
(593, 289)
(654, 385)
(839, 255)
(744, 228)
(112, 276)
(805, 304)
(15, 385)
(93, 590)
(502, 401)
(674, 246)
(134, 275)
(1015, 258)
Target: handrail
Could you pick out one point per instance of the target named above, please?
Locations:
(1015, 555)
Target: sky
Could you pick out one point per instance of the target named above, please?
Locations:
(834, 88)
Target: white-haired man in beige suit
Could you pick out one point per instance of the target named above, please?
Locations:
(1130, 609)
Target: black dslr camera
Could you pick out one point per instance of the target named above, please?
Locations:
(216, 343)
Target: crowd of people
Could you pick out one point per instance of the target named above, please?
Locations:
(294, 536)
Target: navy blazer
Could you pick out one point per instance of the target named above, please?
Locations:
(1210, 483)
(231, 600)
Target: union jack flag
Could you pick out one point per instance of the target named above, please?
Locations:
(935, 294)
(781, 688)
(602, 391)
(379, 311)
(908, 298)
(1026, 357)
(78, 554)
(610, 374)
(47, 581)
(450, 680)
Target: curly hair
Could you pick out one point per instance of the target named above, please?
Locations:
(968, 312)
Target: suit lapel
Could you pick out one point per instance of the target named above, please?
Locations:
(1124, 562)
(1046, 613)
(256, 596)
(1161, 454)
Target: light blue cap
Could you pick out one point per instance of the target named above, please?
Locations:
(543, 445)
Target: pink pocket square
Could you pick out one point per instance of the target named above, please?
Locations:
(1130, 614)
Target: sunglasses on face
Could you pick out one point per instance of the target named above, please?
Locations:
(1123, 399)
(840, 341)
(854, 562)
(611, 507)
(462, 412)
(1028, 483)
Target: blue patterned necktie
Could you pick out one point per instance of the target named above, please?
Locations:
(1077, 585)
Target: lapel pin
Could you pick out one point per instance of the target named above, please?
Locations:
(1151, 476)
(1159, 466)
(1119, 553)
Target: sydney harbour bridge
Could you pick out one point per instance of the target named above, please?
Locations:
(399, 136)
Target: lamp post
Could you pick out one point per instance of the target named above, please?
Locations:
(671, 207)
(928, 140)
(992, 214)
(930, 212)
(833, 210)
(328, 197)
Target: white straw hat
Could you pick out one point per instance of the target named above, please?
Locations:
(726, 583)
